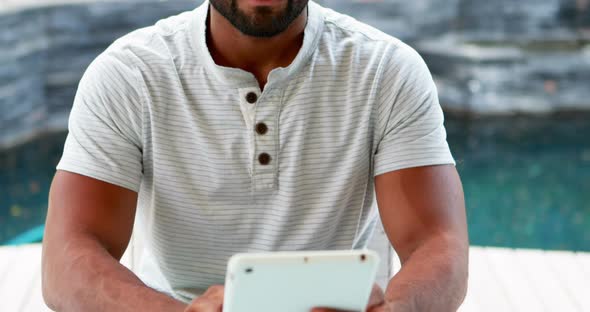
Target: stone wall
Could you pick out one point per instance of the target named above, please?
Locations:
(513, 56)
(45, 50)
(407, 20)
(523, 18)
(486, 19)
(494, 57)
(575, 13)
(506, 79)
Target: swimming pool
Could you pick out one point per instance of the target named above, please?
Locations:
(526, 180)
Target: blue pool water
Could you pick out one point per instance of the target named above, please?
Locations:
(526, 181)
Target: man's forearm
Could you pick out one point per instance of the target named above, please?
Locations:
(433, 278)
(83, 276)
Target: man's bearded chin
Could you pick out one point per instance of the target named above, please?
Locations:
(264, 21)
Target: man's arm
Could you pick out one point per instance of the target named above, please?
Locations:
(423, 213)
(89, 224)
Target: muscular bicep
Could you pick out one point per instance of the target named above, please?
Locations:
(419, 203)
(79, 205)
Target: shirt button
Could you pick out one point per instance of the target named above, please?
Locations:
(261, 128)
(264, 158)
(251, 97)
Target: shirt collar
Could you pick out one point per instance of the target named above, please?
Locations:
(241, 78)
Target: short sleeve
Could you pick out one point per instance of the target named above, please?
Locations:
(104, 139)
(410, 122)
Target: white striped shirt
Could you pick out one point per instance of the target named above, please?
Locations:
(155, 114)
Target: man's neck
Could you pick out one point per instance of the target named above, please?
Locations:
(231, 48)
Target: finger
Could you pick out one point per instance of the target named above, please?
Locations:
(377, 308)
(210, 301)
(214, 289)
(204, 305)
(215, 293)
(377, 297)
(383, 307)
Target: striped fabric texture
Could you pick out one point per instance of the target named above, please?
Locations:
(153, 113)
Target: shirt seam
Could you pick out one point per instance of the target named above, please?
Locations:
(357, 31)
(182, 27)
(143, 102)
(380, 71)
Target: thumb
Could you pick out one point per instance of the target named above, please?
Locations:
(377, 297)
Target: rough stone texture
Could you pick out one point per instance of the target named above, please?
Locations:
(488, 56)
(493, 57)
(45, 50)
(404, 19)
(522, 19)
(514, 56)
(508, 17)
(508, 79)
(575, 13)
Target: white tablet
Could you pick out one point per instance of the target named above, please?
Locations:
(296, 281)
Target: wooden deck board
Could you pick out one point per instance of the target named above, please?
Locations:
(573, 276)
(545, 281)
(512, 279)
(583, 259)
(484, 284)
(11, 258)
(7, 257)
(472, 302)
(17, 285)
(34, 301)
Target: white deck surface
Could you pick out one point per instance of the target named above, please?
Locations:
(500, 280)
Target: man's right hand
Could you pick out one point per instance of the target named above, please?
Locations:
(210, 301)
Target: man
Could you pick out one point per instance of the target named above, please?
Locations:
(251, 125)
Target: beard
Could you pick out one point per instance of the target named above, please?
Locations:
(264, 21)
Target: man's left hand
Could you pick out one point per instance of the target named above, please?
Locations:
(376, 303)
